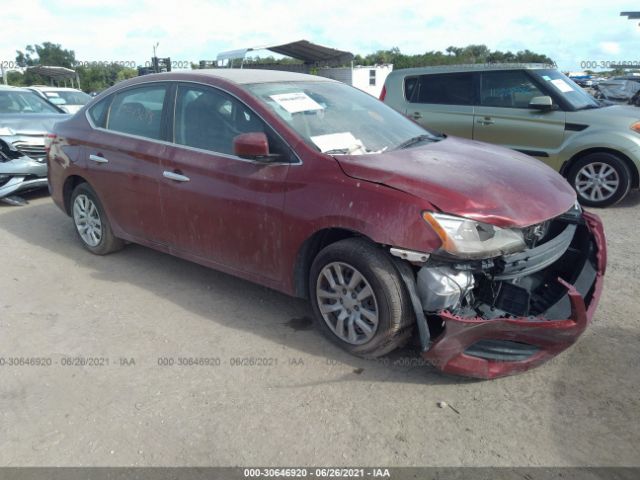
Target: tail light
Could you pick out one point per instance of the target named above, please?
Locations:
(48, 140)
(383, 93)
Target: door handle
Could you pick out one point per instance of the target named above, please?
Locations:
(486, 121)
(98, 159)
(175, 176)
(416, 115)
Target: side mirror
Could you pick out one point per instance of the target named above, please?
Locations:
(542, 103)
(253, 145)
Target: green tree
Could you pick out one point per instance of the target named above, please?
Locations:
(49, 54)
(15, 78)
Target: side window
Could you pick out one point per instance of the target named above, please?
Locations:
(138, 111)
(446, 88)
(210, 119)
(98, 113)
(510, 89)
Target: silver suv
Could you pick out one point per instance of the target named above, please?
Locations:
(534, 109)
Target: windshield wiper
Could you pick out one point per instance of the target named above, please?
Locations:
(337, 151)
(414, 140)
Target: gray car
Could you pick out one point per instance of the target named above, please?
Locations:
(19, 173)
(26, 118)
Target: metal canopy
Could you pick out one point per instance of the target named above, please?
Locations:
(56, 73)
(309, 53)
(630, 15)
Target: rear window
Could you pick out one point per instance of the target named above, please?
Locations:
(138, 111)
(447, 88)
(74, 98)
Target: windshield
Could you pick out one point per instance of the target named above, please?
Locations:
(68, 97)
(335, 118)
(568, 89)
(24, 102)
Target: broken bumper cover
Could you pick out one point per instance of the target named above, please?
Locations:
(481, 348)
(22, 174)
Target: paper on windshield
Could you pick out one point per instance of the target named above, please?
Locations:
(296, 102)
(336, 141)
(561, 85)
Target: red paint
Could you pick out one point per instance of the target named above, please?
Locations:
(252, 219)
(249, 145)
(472, 179)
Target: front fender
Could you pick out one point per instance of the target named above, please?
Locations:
(627, 143)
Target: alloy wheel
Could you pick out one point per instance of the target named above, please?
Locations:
(87, 220)
(597, 181)
(347, 303)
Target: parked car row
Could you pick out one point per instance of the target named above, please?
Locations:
(69, 100)
(316, 189)
(533, 109)
(25, 120)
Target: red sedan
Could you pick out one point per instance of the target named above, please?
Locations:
(316, 189)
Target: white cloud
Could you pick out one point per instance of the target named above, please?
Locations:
(197, 29)
(610, 48)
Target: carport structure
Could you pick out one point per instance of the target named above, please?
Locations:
(57, 74)
(311, 54)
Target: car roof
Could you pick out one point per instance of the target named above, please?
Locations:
(12, 88)
(242, 75)
(53, 89)
(477, 67)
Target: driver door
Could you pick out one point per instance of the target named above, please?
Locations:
(503, 116)
(220, 207)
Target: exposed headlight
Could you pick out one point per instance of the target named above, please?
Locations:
(467, 238)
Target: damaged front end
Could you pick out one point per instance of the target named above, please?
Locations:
(491, 317)
(18, 172)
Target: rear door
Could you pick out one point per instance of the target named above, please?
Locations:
(442, 102)
(124, 154)
(503, 115)
(218, 206)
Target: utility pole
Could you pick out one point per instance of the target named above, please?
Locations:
(154, 48)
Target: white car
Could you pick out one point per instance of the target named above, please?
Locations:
(68, 99)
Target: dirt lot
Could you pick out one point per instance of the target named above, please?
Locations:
(307, 403)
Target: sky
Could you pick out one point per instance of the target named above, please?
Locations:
(570, 32)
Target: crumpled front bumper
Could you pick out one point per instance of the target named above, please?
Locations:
(24, 174)
(536, 339)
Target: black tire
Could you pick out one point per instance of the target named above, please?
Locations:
(597, 160)
(395, 316)
(107, 242)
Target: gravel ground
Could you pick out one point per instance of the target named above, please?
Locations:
(308, 403)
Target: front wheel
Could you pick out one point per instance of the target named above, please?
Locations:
(600, 179)
(359, 299)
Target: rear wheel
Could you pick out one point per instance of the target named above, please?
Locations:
(359, 299)
(91, 222)
(600, 179)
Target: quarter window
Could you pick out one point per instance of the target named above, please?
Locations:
(138, 111)
(510, 89)
(447, 89)
(98, 112)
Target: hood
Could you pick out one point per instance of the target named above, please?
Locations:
(470, 179)
(31, 123)
(622, 115)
